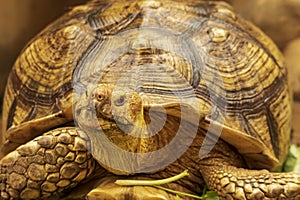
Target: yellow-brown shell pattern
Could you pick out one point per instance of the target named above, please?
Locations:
(201, 42)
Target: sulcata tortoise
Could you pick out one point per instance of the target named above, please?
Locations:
(145, 90)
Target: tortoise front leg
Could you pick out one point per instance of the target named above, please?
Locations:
(224, 171)
(237, 183)
(48, 165)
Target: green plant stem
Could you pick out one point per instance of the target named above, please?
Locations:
(177, 192)
(157, 183)
(152, 182)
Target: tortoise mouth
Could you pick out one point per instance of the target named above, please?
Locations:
(88, 117)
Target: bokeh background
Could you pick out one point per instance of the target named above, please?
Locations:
(20, 20)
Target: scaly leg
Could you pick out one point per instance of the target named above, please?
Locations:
(224, 172)
(48, 165)
(238, 183)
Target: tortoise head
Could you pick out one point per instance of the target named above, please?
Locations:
(111, 107)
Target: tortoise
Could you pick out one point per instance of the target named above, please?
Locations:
(144, 90)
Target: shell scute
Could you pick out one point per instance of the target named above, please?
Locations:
(195, 50)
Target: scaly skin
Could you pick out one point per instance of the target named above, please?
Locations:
(51, 165)
(237, 183)
(224, 172)
(47, 165)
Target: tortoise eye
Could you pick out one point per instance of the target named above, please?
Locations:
(100, 97)
(120, 101)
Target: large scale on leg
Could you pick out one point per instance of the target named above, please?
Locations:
(144, 90)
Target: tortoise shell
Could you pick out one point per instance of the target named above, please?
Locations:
(197, 52)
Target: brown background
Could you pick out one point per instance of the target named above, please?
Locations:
(20, 20)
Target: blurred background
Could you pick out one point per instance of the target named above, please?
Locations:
(20, 20)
